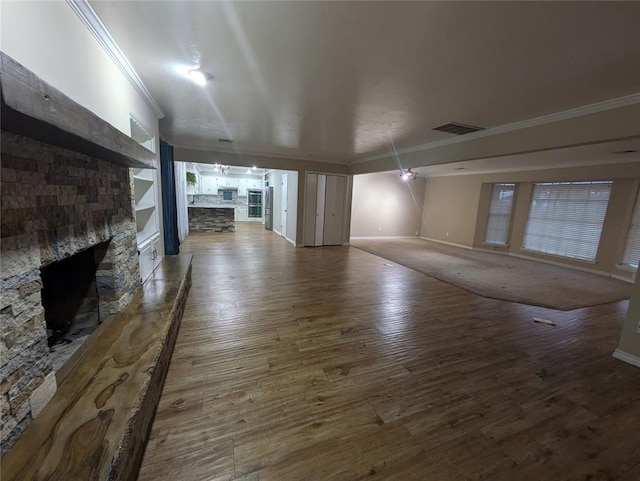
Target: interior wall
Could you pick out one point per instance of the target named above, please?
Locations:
(456, 209)
(50, 40)
(384, 205)
(275, 180)
(292, 206)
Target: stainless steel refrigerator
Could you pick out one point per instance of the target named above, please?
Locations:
(268, 208)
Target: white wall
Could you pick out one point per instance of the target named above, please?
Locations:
(49, 39)
(384, 205)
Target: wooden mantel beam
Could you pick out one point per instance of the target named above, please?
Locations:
(33, 108)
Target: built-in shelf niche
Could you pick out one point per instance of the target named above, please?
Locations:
(146, 205)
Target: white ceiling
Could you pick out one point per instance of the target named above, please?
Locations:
(337, 81)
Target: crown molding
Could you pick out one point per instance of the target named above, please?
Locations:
(524, 124)
(90, 18)
(532, 168)
(249, 153)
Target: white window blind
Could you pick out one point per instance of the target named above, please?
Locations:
(632, 250)
(497, 231)
(566, 218)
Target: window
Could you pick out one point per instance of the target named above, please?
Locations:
(566, 218)
(632, 250)
(497, 230)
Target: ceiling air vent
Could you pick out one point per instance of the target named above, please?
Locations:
(226, 141)
(458, 129)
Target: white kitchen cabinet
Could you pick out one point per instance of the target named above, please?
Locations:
(243, 184)
(241, 214)
(208, 185)
(225, 181)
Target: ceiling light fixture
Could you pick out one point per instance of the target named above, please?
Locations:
(407, 175)
(223, 169)
(199, 76)
(248, 171)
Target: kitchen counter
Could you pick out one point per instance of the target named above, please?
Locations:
(216, 206)
(211, 219)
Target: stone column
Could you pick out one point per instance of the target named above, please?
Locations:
(118, 270)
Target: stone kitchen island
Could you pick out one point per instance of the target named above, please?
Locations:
(211, 218)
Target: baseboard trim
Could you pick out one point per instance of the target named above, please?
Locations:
(383, 237)
(560, 264)
(630, 280)
(626, 357)
(446, 243)
(290, 240)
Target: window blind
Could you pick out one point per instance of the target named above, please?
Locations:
(632, 250)
(566, 218)
(498, 222)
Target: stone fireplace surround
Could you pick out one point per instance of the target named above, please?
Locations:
(55, 203)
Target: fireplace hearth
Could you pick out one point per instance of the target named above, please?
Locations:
(69, 259)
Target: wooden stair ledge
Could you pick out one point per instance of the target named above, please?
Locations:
(97, 424)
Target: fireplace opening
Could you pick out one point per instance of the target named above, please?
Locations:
(71, 304)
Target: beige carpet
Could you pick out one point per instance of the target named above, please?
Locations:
(499, 276)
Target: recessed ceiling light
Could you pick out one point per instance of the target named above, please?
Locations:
(248, 171)
(199, 76)
(254, 167)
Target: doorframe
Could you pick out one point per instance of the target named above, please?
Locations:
(284, 198)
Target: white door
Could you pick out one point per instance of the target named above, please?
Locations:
(310, 211)
(320, 209)
(283, 206)
(334, 206)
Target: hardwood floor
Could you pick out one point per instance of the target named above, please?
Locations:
(331, 364)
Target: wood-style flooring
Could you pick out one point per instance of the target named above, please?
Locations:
(334, 364)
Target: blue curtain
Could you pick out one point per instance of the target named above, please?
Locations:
(169, 209)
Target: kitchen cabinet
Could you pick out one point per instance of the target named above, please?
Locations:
(325, 208)
(150, 255)
(241, 214)
(243, 185)
(208, 184)
(227, 182)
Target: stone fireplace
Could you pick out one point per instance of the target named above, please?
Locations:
(71, 303)
(56, 203)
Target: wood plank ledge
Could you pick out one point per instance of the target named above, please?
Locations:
(33, 108)
(97, 424)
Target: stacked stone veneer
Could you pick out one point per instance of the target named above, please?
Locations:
(211, 219)
(55, 203)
